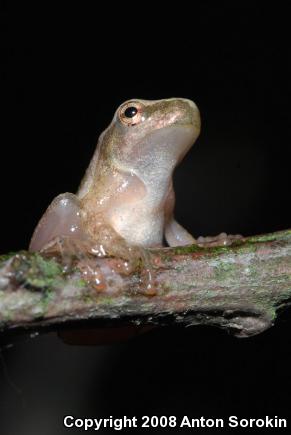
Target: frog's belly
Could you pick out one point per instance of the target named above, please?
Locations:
(138, 225)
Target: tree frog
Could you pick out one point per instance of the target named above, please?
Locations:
(126, 196)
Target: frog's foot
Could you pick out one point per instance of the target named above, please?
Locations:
(106, 242)
(68, 247)
(221, 239)
(132, 257)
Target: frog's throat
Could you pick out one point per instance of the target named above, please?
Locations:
(154, 158)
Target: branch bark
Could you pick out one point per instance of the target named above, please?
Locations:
(240, 288)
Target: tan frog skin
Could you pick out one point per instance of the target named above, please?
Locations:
(127, 187)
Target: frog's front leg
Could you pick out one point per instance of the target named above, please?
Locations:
(176, 235)
(61, 219)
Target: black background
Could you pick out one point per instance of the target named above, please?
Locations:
(64, 71)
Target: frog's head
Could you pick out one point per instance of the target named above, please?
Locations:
(150, 135)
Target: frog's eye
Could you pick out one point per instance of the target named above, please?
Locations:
(131, 113)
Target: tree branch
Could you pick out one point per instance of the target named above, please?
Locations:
(240, 287)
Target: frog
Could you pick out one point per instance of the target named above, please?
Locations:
(126, 197)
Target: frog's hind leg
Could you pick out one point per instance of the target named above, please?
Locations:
(61, 219)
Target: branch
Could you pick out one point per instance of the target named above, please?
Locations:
(240, 287)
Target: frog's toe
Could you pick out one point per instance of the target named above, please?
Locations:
(221, 239)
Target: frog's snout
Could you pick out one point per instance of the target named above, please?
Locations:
(187, 113)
